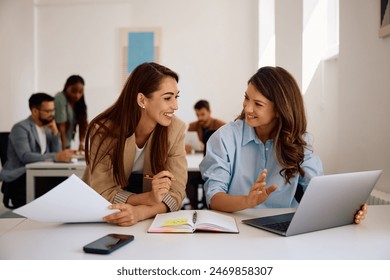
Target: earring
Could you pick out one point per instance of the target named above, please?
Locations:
(143, 106)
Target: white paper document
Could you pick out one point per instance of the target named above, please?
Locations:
(72, 201)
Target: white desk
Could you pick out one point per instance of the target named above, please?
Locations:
(56, 169)
(193, 161)
(8, 224)
(35, 240)
(50, 169)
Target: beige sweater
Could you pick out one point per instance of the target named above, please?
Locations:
(102, 178)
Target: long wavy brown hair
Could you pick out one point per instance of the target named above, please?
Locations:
(280, 87)
(107, 133)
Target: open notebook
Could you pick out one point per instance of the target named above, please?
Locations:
(329, 201)
(189, 221)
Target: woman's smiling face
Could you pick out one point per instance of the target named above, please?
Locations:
(259, 111)
(162, 104)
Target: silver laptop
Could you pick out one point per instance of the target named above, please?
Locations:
(329, 201)
(191, 138)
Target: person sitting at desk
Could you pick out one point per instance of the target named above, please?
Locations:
(33, 139)
(205, 125)
(262, 158)
(135, 149)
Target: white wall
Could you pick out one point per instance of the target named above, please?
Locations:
(323, 114)
(348, 99)
(16, 60)
(348, 96)
(364, 91)
(200, 40)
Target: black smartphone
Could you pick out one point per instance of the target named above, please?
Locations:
(108, 243)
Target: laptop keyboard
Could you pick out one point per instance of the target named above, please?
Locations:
(281, 226)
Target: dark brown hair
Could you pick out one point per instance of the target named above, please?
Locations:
(80, 107)
(202, 104)
(109, 130)
(36, 99)
(280, 87)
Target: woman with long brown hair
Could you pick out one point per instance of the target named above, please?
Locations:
(135, 150)
(267, 140)
(264, 159)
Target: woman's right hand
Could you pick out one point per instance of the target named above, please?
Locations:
(161, 184)
(65, 155)
(258, 193)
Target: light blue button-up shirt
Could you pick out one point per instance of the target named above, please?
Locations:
(235, 158)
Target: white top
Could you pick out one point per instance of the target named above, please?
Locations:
(139, 159)
(42, 138)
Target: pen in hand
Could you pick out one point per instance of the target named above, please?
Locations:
(150, 177)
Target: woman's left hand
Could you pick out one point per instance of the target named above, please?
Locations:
(127, 215)
(259, 193)
(361, 214)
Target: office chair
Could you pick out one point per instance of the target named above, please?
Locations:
(3, 147)
(3, 156)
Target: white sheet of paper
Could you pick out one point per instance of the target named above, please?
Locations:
(72, 201)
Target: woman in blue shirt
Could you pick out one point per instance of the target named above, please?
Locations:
(260, 159)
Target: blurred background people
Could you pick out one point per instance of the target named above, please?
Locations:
(33, 139)
(205, 125)
(71, 112)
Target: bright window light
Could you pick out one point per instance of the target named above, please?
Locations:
(320, 36)
(266, 33)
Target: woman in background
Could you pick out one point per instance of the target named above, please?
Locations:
(71, 111)
(135, 149)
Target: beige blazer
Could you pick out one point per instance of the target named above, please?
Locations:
(102, 178)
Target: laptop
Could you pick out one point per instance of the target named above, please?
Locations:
(329, 201)
(192, 139)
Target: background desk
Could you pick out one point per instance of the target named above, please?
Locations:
(193, 161)
(56, 169)
(35, 240)
(49, 169)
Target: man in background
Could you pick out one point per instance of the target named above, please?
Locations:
(33, 139)
(205, 125)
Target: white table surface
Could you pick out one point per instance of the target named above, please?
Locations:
(27, 239)
(62, 169)
(193, 161)
(74, 165)
(8, 224)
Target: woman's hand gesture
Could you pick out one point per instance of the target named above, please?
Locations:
(258, 193)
